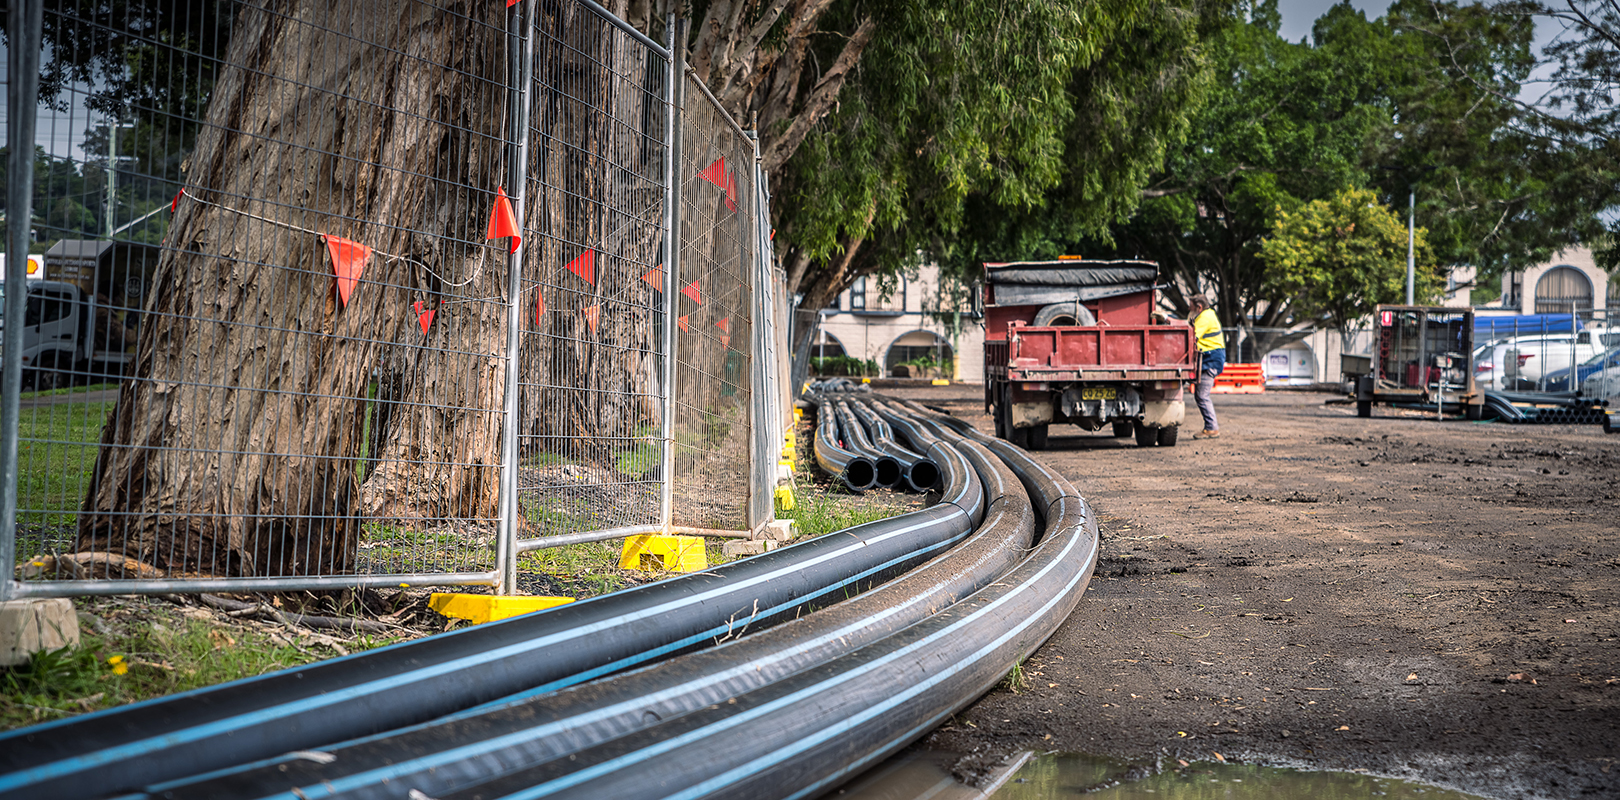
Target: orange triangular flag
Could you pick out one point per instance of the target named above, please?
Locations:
(725, 341)
(685, 326)
(503, 221)
(655, 276)
(731, 193)
(584, 265)
(693, 292)
(715, 173)
(593, 316)
(724, 324)
(539, 305)
(424, 315)
(348, 261)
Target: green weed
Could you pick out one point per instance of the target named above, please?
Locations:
(145, 661)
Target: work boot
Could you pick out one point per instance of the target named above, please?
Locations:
(1207, 434)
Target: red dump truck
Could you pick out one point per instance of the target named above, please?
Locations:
(1079, 342)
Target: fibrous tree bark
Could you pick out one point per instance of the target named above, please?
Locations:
(235, 450)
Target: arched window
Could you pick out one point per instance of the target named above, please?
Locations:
(924, 349)
(1561, 286)
(827, 345)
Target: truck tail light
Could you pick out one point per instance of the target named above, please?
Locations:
(1483, 366)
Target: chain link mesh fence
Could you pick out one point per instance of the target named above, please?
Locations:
(270, 340)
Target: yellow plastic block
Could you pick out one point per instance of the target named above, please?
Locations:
(941, 382)
(487, 608)
(677, 553)
(784, 498)
(866, 380)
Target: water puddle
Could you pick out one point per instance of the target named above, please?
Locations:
(1045, 777)
(1052, 776)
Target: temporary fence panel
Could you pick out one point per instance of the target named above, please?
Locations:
(715, 316)
(342, 298)
(592, 295)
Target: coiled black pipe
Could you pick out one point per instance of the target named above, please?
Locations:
(856, 471)
(803, 735)
(889, 472)
(442, 757)
(331, 701)
(921, 474)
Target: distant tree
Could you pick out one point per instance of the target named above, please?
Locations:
(1340, 257)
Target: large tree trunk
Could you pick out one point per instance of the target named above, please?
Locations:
(234, 451)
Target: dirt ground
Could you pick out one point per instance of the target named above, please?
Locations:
(1426, 600)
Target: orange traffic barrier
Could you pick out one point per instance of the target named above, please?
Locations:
(1240, 379)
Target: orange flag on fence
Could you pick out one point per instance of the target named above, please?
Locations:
(731, 192)
(593, 316)
(715, 173)
(424, 315)
(655, 277)
(539, 305)
(503, 221)
(685, 326)
(584, 265)
(693, 292)
(348, 261)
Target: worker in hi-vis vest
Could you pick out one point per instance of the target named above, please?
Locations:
(1211, 360)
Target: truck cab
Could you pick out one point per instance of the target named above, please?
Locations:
(83, 311)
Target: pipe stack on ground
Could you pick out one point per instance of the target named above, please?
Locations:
(788, 711)
(889, 472)
(856, 471)
(921, 474)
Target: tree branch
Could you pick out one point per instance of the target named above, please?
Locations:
(821, 99)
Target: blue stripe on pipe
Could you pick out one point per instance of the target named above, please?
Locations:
(402, 769)
(46, 772)
(753, 767)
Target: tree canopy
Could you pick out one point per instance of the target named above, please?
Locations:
(1342, 256)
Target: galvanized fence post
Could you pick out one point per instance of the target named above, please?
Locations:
(672, 261)
(23, 26)
(520, 65)
(767, 430)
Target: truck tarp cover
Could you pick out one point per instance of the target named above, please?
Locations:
(1020, 283)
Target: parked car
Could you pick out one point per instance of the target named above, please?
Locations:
(1558, 380)
(1519, 364)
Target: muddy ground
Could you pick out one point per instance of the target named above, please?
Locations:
(1422, 599)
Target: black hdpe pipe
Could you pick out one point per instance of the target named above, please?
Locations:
(857, 472)
(803, 735)
(1055, 495)
(379, 690)
(889, 472)
(921, 474)
(458, 752)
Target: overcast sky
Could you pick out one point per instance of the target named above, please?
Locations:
(1298, 15)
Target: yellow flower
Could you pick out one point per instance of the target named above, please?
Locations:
(118, 665)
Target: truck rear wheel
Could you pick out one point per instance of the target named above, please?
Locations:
(1037, 437)
(1167, 436)
(1145, 436)
(1123, 429)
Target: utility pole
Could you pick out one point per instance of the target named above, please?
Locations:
(1411, 235)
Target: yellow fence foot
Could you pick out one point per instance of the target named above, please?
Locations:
(675, 553)
(488, 608)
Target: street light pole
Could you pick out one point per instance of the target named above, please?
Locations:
(1411, 235)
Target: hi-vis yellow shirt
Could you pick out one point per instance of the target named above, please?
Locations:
(1208, 328)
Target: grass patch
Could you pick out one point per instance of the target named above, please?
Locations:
(818, 513)
(94, 387)
(56, 453)
(154, 651)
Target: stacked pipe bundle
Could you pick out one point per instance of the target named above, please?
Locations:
(788, 711)
(849, 432)
(1556, 408)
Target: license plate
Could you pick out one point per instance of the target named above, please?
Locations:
(1098, 393)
